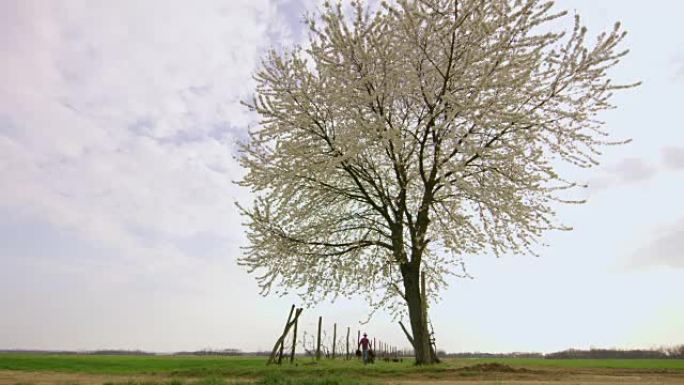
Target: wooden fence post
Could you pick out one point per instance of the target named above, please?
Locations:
(318, 344)
(282, 344)
(294, 335)
(334, 340)
(347, 355)
(279, 344)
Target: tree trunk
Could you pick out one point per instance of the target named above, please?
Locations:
(417, 315)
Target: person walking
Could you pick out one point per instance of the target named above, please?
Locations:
(364, 344)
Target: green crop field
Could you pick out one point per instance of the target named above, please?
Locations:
(252, 366)
(215, 370)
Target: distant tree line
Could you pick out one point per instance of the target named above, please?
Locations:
(492, 355)
(211, 352)
(104, 352)
(664, 352)
(676, 351)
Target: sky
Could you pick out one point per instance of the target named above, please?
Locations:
(118, 230)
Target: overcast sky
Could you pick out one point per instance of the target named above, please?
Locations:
(118, 122)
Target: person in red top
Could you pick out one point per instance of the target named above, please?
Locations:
(365, 345)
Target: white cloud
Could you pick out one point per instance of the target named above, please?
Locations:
(626, 171)
(636, 170)
(678, 64)
(667, 249)
(118, 120)
(673, 157)
(632, 170)
(118, 124)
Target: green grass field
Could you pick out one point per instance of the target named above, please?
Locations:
(214, 370)
(255, 366)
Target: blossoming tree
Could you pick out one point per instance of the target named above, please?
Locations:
(401, 139)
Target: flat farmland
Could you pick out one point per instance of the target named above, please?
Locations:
(68, 369)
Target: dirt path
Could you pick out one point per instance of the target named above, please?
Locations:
(563, 377)
(578, 380)
(551, 378)
(10, 377)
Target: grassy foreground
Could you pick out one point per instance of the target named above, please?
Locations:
(180, 370)
(255, 366)
(268, 380)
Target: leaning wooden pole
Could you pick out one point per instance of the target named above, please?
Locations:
(408, 336)
(294, 335)
(280, 352)
(334, 340)
(318, 343)
(423, 294)
(423, 297)
(282, 343)
(279, 344)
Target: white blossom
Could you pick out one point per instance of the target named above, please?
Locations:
(418, 133)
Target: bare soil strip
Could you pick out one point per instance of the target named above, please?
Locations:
(11, 377)
(484, 377)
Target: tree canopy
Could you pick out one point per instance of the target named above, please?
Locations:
(401, 139)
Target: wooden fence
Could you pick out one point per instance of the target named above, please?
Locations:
(318, 348)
